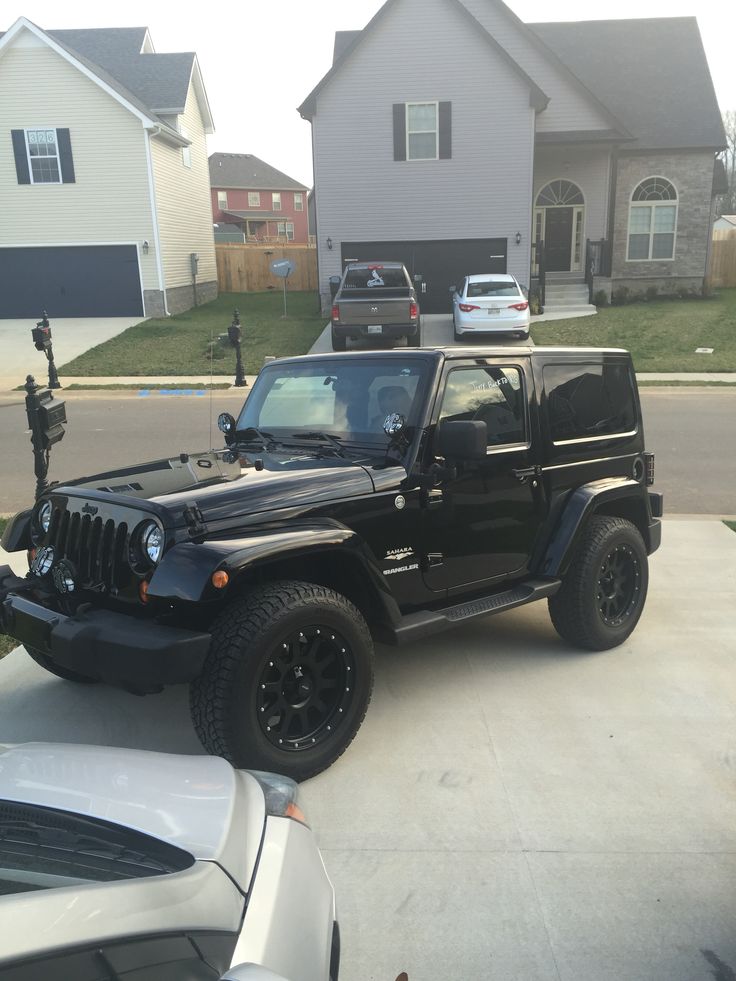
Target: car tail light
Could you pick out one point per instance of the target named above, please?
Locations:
(413, 311)
(336, 312)
(467, 307)
(519, 306)
(649, 467)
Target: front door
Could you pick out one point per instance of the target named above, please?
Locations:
(558, 239)
(481, 522)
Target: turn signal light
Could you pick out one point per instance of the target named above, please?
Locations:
(518, 306)
(220, 579)
(31, 555)
(467, 307)
(143, 591)
(413, 311)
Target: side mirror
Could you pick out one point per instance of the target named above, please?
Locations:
(251, 972)
(226, 425)
(462, 440)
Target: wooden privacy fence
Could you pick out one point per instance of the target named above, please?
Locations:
(247, 268)
(723, 259)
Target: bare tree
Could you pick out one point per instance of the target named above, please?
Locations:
(727, 203)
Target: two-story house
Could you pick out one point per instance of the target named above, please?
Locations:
(104, 186)
(267, 205)
(449, 134)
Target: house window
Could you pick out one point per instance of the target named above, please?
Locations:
(286, 229)
(43, 156)
(222, 200)
(421, 131)
(276, 201)
(254, 199)
(298, 201)
(652, 220)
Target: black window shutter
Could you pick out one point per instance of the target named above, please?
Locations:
(445, 122)
(399, 131)
(65, 156)
(21, 160)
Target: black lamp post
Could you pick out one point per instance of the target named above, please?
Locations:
(46, 417)
(235, 333)
(41, 335)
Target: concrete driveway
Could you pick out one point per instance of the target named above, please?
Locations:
(512, 809)
(436, 332)
(71, 337)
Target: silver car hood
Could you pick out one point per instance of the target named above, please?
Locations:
(198, 803)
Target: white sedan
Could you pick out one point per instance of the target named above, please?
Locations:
(490, 303)
(128, 865)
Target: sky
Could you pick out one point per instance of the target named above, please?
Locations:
(260, 60)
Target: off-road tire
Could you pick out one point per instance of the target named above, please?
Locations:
(250, 636)
(339, 343)
(578, 609)
(44, 661)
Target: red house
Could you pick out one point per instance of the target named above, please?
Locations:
(265, 204)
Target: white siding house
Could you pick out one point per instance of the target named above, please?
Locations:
(104, 188)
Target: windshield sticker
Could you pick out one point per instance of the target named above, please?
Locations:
(375, 279)
(491, 383)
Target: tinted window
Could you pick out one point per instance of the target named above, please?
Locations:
(491, 288)
(492, 395)
(589, 400)
(374, 277)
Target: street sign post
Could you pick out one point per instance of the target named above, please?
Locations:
(283, 268)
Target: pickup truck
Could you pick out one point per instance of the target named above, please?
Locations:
(375, 301)
(371, 495)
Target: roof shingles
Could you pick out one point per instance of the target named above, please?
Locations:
(246, 172)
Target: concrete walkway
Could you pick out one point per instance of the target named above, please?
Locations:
(512, 809)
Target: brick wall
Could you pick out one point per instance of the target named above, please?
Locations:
(692, 175)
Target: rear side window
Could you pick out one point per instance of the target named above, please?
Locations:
(589, 401)
(372, 277)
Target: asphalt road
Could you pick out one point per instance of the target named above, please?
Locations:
(692, 431)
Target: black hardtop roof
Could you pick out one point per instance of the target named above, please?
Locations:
(367, 263)
(462, 353)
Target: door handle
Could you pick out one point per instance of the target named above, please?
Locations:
(524, 473)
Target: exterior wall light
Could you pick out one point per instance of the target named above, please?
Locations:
(518, 238)
(329, 244)
(145, 248)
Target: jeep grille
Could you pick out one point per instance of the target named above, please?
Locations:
(97, 547)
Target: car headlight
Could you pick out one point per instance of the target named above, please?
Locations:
(41, 522)
(152, 541)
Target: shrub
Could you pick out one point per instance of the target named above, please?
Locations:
(600, 298)
(535, 302)
(620, 296)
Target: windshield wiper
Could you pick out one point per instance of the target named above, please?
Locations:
(333, 441)
(244, 436)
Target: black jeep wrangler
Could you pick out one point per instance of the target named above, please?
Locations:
(379, 495)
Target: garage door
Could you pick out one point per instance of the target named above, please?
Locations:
(74, 281)
(440, 263)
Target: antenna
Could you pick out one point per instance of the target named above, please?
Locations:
(212, 354)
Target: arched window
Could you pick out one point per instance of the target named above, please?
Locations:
(559, 194)
(652, 220)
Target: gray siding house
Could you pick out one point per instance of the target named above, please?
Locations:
(451, 135)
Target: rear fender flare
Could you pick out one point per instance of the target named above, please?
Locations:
(599, 496)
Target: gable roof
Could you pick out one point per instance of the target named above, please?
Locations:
(349, 40)
(246, 172)
(652, 73)
(122, 58)
(731, 219)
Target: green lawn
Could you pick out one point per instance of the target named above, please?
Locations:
(7, 644)
(179, 345)
(662, 335)
(731, 525)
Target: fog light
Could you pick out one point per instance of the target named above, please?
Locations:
(43, 561)
(63, 576)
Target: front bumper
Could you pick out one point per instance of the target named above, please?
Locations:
(360, 331)
(121, 650)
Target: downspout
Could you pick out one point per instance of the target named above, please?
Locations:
(612, 208)
(316, 223)
(154, 214)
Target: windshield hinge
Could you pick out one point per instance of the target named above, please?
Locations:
(194, 520)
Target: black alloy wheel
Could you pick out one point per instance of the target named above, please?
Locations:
(305, 688)
(604, 589)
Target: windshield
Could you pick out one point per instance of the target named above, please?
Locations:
(346, 398)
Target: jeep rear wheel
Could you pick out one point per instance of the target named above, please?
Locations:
(287, 681)
(57, 669)
(603, 591)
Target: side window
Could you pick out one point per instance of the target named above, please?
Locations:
(493, 395)
(589, 401)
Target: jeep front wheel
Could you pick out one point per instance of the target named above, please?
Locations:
(287, 681)
(604, 589)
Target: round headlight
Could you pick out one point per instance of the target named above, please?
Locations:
(152, 541)
(44, 516)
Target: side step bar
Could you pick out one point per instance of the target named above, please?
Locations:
(414, 626)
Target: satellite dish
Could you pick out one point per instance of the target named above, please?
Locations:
(282, 267)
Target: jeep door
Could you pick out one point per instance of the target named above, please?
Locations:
(483, 518)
